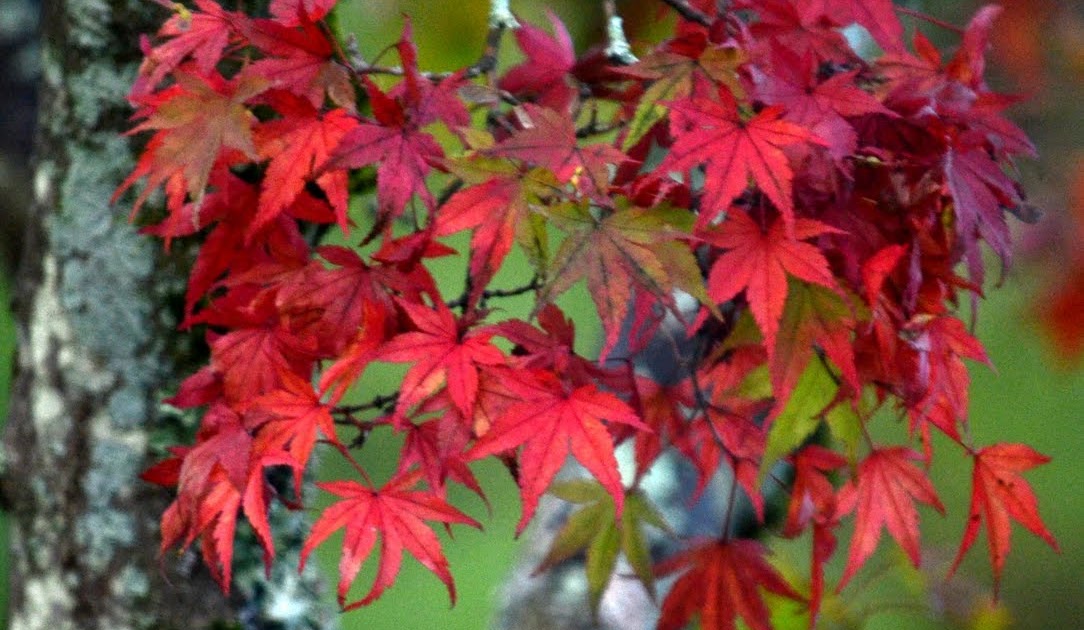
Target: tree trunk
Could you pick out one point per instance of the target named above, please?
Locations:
(96, 352)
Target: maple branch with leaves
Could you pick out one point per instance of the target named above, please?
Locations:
(809, 217)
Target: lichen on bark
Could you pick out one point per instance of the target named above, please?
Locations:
(96, 351)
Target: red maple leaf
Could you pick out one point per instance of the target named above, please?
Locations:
(201, 35)
(979, 189)
(302, 60)
(335, 301)
(813, 501)
(542, 77)
(427, 100)
(396, 144)
(498, 207)
(802, 26)
(445, 352)
(968, 65)
(552, 423)
(758, 261)
(298, 12)
(727, 430)
(548, 139)
(819, 106)
(879, 18)
(664, 408)
(214, 485)
(714, 133)
(937, 380)
(887, 485)
(396, 513)
(551, 347)
(297, 144)
(254, 355)
(437, 447)
(722, 583)
(999, 493)
(289, 419)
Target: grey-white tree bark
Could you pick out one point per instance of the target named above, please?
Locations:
(96, 352)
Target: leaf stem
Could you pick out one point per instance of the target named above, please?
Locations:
(730, 502)
(919, 15)
(353, 462)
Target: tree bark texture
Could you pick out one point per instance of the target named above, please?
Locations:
(96, 352)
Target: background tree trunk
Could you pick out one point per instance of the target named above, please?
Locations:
(96, 352)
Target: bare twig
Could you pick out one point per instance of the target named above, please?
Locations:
(595, 128)
(688, 12)
(500, 15)
(617, 49)
(490, 294)
(381, 402)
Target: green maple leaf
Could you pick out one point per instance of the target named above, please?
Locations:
(596, 531)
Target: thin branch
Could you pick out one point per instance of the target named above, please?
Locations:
(381, 402)
(500, 15)
(688, 12)
(617, 50)
(533, 285)
(489, 294)
(596, 128)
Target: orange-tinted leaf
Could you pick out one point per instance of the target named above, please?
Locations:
(445, 354)
(813, 318)
(197, 119)
(633, 248)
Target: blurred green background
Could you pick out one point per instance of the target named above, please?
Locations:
(1031, 397)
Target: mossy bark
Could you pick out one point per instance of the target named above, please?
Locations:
(96, 351)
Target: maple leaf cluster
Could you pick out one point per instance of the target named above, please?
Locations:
(822, 207)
